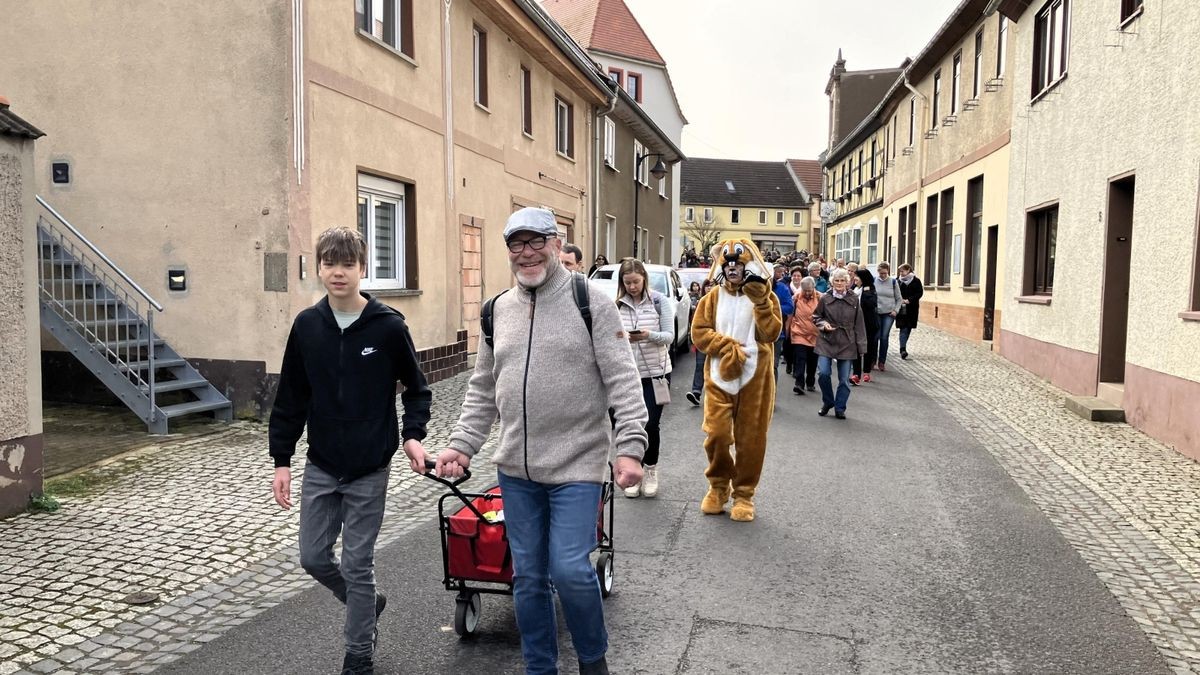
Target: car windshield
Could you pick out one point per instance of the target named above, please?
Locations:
(658, 282)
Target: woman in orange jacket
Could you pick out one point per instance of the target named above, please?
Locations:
(803, 335)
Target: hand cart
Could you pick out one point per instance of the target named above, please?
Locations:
(475, 554)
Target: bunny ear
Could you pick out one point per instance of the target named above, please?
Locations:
(764, 270)
(716, 250)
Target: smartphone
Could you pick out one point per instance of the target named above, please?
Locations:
(636, 332)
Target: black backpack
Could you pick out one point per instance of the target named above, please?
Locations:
(580, 291)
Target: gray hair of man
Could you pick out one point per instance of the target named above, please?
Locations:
(839, 273)
(808, 284)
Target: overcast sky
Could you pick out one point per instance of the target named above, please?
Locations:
(751, 80)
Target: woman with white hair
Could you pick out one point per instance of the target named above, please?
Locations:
(843, 338)
(803, 335)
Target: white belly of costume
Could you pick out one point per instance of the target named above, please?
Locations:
(735, 318)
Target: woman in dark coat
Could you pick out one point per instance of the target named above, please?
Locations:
(870, 305)
(842, 337)
(910, 309)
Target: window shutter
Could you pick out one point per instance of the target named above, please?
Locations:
(406, 29)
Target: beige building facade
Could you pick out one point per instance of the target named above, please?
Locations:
(1103, 291)
(225, 151)
(21, 456)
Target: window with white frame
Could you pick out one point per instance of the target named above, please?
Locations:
(526, 101)
(872, 242)
(856, 245)
(1001, 46)
(609, 240)
(937, 98)
(381, 223)
(735, 216)
(1051, 37)
(662, 186)
(610, 142)
(779, 217)
(708, 214)
(955, 82)
(912, 120)
(564, 127)
(796, 218)
(977, 74)
(689, 214)
(642, 169)
(762, 217)
(662, 248)
(479, 62)
(389, 21)
(633, 85)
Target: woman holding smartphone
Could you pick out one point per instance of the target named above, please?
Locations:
(650, 322)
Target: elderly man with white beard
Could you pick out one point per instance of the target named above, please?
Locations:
(551, 384)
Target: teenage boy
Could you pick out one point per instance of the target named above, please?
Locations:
(340, 367)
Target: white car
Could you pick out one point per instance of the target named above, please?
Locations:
(664, 280)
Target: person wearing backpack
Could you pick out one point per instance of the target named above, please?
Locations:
(650, 324)
(551, 381)
(890, 301)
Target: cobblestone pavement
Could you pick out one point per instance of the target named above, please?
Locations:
(1128, 504)
(192, 521)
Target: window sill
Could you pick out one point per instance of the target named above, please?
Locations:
(1190, 316)
(1033, 299)
(970, 289)
(394, 292)
(942, 287)
(565, 156)
(395, 52)
(611, 167)
(528, 135)
(1049, 88)
(1131, 18)
(482, 107)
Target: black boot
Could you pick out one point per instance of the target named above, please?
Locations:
(596, 668)
(356, 664)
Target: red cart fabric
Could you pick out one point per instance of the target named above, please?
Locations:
(478, 550)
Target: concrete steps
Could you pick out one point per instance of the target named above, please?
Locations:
(1105, 407)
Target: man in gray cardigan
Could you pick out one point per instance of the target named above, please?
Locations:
(551, 385)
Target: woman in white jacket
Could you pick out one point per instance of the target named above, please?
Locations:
(650, 322)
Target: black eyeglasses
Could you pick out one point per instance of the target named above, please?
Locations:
(518, 245)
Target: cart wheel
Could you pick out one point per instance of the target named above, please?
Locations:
(466, 613)
(604, 570)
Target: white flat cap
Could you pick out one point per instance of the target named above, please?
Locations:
(531, 219)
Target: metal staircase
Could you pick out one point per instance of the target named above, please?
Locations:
(106, 321)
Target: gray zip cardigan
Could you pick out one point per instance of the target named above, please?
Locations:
(551, 387)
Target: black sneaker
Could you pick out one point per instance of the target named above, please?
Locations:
(903, 355)
(693, 397)
(811, 388)
(798, 390)
(823, 411)
(840, 414)
(358, 664)
(596, 668)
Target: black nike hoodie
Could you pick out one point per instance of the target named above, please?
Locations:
(343, 384)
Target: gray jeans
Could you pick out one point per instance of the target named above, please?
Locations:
(354, 509)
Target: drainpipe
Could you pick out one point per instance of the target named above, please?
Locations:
(920, 163)
(451, 271)
(598, 155)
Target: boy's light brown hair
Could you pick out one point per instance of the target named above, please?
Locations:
(341, 244)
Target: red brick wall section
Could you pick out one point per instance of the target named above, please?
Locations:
(440, 363)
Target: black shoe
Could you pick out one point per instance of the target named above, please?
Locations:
(840, 414)
(355, 664)
(595, 668)
(903, 355)
(823, 411)
(693, 397)
(789, 370)
(798, 390)
(811, 388)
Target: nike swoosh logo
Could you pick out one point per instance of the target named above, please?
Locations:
(367, 351)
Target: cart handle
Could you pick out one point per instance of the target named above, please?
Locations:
(430, 465)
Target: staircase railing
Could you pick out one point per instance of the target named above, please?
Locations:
(98, 300)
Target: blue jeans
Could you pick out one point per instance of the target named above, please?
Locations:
(904, 339)
(886, 321)
(355, 509)
(551, 531)
(698, 376)
(824, 373)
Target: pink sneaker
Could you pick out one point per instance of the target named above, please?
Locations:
(866, 377)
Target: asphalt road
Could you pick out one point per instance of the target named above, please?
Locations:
(890, 542)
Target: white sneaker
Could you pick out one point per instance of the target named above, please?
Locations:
(633, 490)
(650, 481)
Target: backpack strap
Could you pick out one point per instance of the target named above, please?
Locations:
(582, 301)
(485, 317)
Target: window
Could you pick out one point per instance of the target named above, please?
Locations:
(902, 237)
(633, 85)
(977, 76)
(526, 101)
(1130, 8)
(480, 65)
(617, 75)
(381, 216)
(735, 216)
(796, 218)
(689, 214)
(779, 217)
(895, 131)
(1002, 46)
(1041, 232)
(564, 127)
(931, 220)
(762, 217)
(955, 80)
(873, 151)
(973, 236)
(856, 248)
(639, 168)
(860, 166)
(708, 214)
(910, 254)
(872, 242)
(610, 142)
(946, 238)
(662, 186)
(937, 95)
(389, 21)
(1051, 35)
(912, 120)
